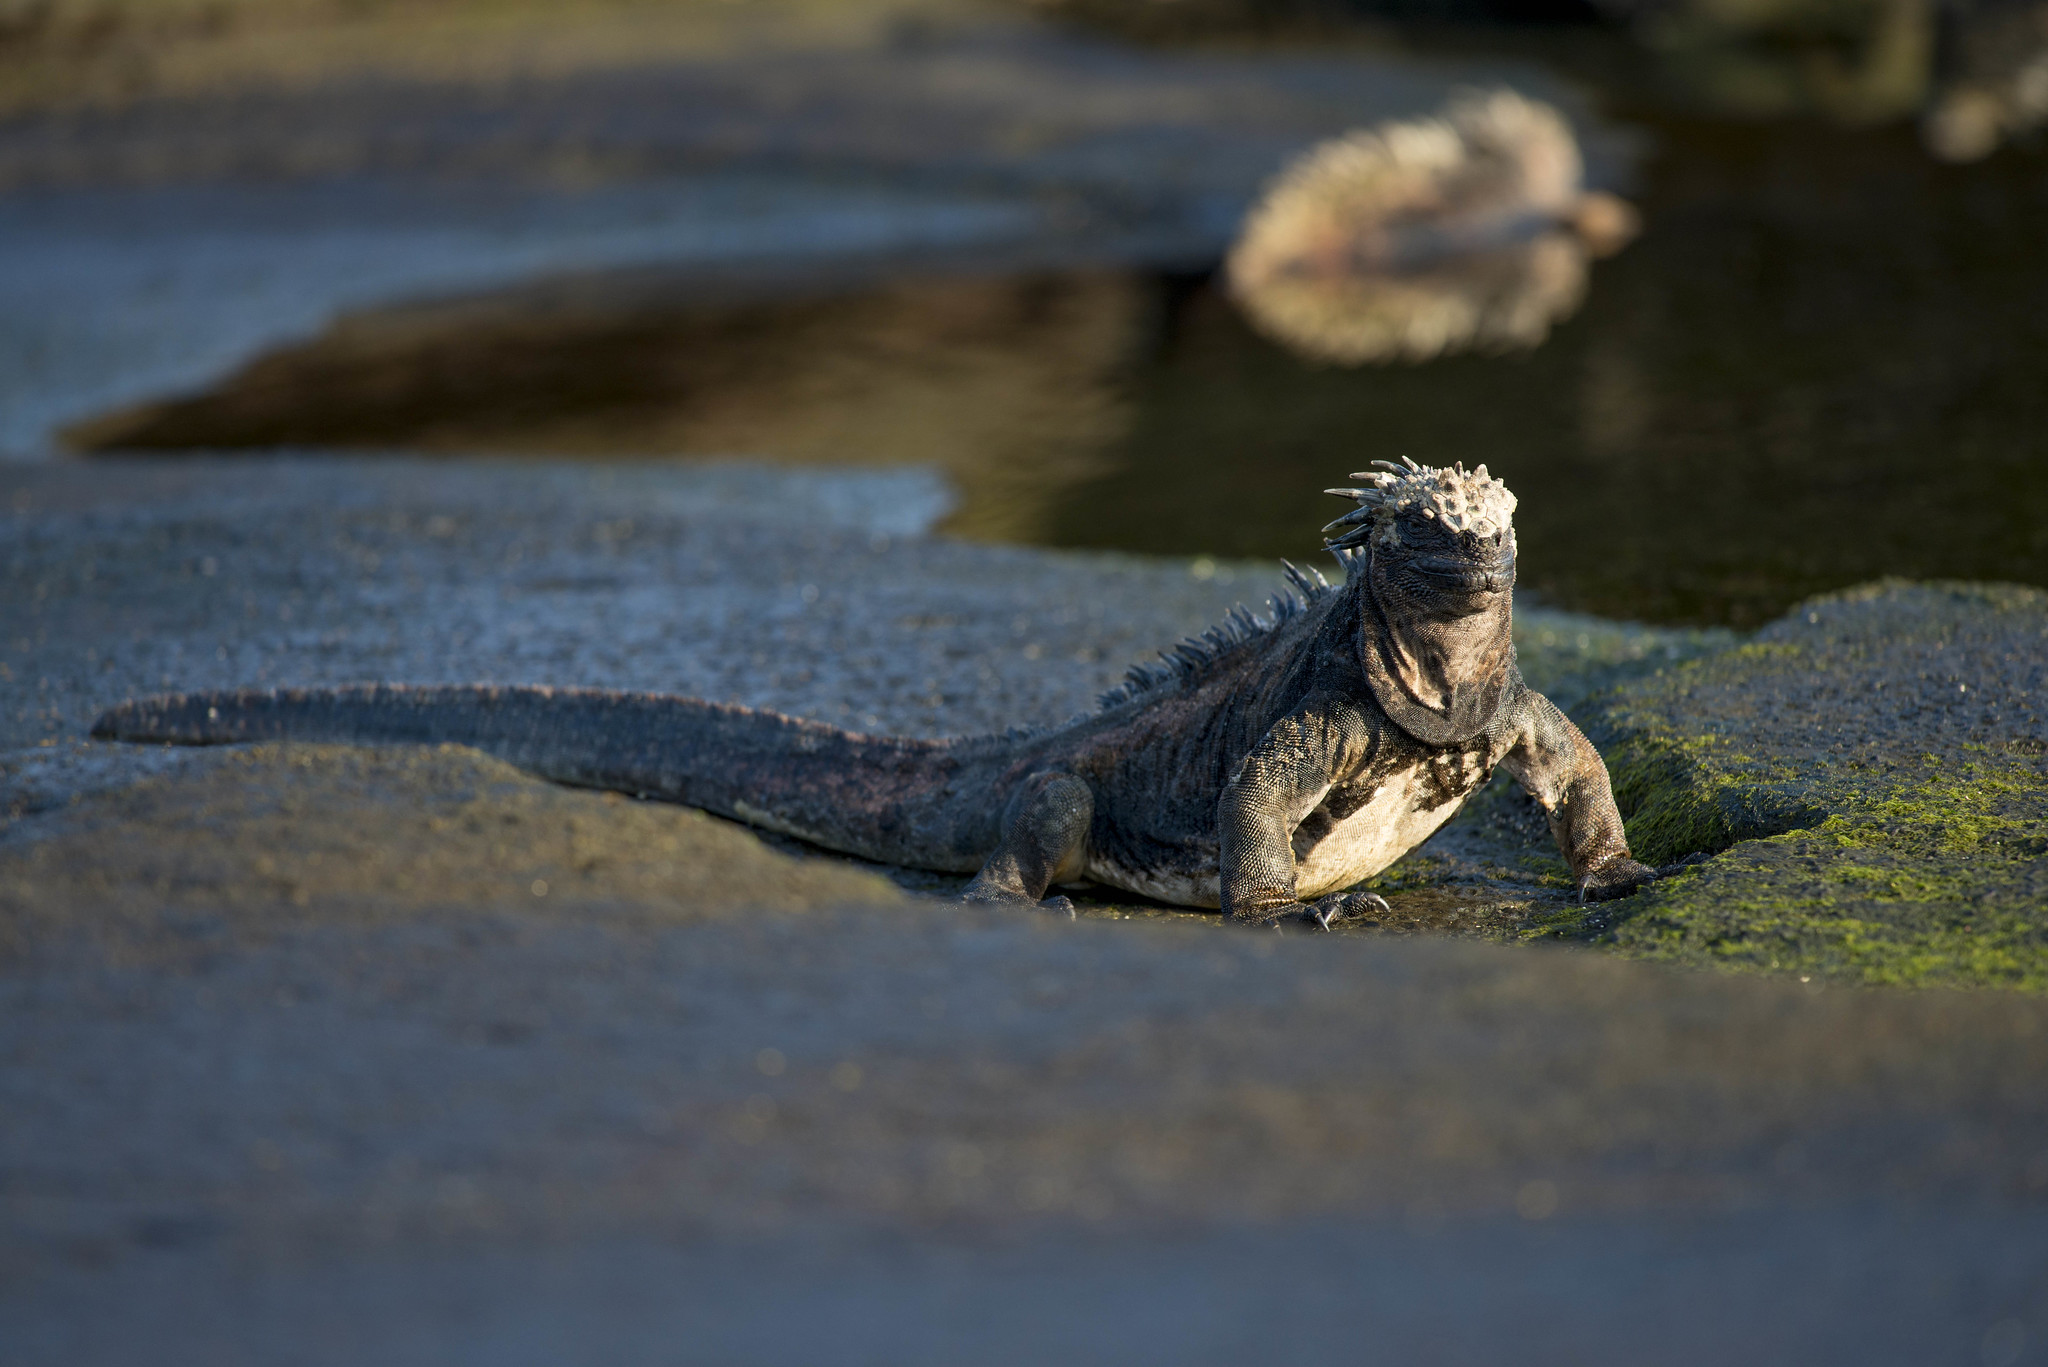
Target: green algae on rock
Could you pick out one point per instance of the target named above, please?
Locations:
(1871, 776)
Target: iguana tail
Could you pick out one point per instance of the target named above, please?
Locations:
(924, 803)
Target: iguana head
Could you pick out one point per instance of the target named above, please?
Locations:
(1432, 532)
(1437, 640)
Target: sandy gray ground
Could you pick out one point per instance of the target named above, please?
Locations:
(344, 1055)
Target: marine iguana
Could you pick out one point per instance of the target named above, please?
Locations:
(1262, 768)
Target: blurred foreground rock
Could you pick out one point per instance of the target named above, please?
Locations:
(352, 1055)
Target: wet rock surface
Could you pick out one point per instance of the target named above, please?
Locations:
(814, 592)
(350, 1054)
(1871, 773)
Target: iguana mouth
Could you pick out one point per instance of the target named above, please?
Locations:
(1464, 574)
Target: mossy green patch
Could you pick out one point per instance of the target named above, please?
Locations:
(1870, 781)
(1683, 794)
(1943, 885)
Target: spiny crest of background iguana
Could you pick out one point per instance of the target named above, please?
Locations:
(1269, 763)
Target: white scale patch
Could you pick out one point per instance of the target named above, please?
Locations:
(1394, 821)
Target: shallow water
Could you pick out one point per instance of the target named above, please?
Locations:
(1821, 363)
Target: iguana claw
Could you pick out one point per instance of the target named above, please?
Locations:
(1345, 906)
(1618, 878)
(1057, 905)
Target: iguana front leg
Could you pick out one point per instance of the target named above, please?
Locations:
(1558, 766)
(1292, 769)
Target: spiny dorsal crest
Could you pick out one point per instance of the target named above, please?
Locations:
(1474, 502)
(1194, 657)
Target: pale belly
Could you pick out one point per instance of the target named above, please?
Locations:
(1402, 813)
(1397, 818)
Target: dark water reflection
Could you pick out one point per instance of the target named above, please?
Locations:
(1826, 360)
(1822, 362)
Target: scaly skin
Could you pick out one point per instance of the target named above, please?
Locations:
(1263, 769)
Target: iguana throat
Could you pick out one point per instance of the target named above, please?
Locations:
(1439, 664)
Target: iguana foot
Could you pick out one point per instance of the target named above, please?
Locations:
(979, 896)
(1325, 912)
(1343, 906)
(984, 896)
(1616, 879)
